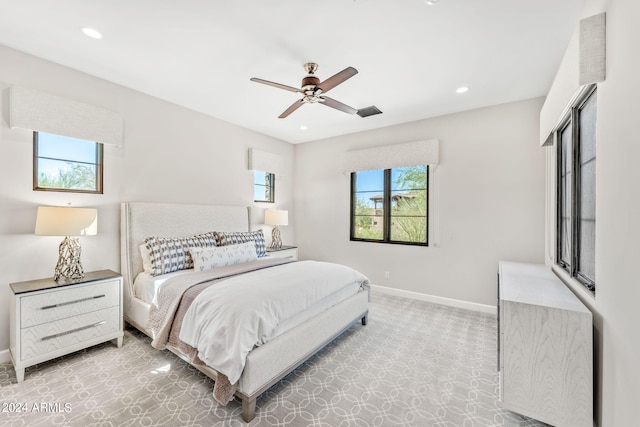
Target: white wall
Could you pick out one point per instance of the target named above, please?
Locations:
(171, 154)
(616, 315)
(488, 203)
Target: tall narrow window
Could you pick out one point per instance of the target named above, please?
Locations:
(586, 202)
(368, 207)
(264, 187)
(565, 185)
(576, 191)
(390, 205)
(62, 163)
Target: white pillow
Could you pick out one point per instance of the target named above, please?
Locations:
(146, 259)
(221, 256)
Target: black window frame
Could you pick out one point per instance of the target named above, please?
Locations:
(99, 165)
(572, 234)
(387, 212)
(269, 187)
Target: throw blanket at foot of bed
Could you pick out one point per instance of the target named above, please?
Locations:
(174, 298)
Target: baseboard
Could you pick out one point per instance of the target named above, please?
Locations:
(5, 356)
(490, 309)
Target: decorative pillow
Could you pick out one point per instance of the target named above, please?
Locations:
(225, 238)
(169, 254)
(221, 256)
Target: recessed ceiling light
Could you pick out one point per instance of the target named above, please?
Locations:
(90, 32)
(462, 89)
(431, 2)
(303, 127)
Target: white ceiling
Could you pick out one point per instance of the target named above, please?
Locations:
(200, 54)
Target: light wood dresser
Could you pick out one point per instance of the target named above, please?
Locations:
(545, 347)
(49, 319)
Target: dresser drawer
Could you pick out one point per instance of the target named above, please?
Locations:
(69, 302)
(49, 337)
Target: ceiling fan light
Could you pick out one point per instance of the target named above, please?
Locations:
(311, 99)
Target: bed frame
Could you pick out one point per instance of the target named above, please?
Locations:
(265, 365)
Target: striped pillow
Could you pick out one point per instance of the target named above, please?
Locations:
(225, 238)
(169, 254)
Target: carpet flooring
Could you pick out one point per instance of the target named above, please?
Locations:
(414, 364)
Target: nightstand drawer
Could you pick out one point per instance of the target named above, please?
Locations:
(49, 337)
(69, 302)
(284, 252)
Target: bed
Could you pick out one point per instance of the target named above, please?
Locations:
(265, 364)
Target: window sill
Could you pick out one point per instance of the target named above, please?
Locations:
(574, 285)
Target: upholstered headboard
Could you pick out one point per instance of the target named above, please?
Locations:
(139, 220)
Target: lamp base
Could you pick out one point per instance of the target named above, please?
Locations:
(69, 266)
(276, 241)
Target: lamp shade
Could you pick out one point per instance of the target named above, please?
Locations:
(276, 217)
(66, 221)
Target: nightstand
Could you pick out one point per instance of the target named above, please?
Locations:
(49, 319)
(284, 252)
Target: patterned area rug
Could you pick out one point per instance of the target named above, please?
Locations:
(415, 364)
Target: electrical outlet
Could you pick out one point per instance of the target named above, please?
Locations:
(387, 275)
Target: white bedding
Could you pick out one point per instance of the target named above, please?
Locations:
(146, 286)
(258, 306)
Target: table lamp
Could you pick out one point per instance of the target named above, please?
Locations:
(276, 218)
(69, 222)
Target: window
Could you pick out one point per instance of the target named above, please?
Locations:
(62, 163)
(390, 205)
(576, 191)
(264, 185)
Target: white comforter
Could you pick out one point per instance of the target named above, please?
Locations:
(226, 321)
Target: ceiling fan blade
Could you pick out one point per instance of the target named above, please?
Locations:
(336, 79)
(291, 109)
(330, 102)
(278, 85)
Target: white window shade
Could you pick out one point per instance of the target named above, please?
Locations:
(584, 63)
(43, 112)
(265, 162)
(592, 49)
(415, 153)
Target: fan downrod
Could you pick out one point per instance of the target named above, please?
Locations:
(310, 81)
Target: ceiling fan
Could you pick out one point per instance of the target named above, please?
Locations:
(313, 90)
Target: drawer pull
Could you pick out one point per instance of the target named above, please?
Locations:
(47, 307)
(72, 331)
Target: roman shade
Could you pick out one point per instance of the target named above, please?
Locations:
(583, 64)
(39, 111)
(592, 49)
(415, 153)
(265, 162)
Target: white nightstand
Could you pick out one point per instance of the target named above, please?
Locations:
(284, 252)
(50, 319)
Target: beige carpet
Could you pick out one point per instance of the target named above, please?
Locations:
(415, 364)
